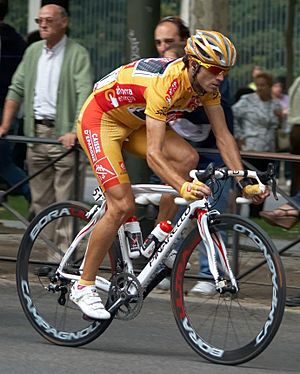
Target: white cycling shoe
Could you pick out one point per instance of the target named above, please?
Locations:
(89, 301)
(204, 288)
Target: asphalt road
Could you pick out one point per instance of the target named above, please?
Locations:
(149, 344)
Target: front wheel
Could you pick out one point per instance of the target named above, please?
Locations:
(43, 294)
(234, 327)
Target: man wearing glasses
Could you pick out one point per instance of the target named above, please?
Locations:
(129, 109)
(54, 79)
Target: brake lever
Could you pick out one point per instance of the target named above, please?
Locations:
(269, 177)
(274, 187)
(207, 174)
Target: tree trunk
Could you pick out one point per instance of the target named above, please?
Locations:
(206, 14)
(290, 41)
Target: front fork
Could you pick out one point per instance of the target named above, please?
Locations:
(216, 253)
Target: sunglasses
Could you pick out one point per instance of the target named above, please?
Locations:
(47, 20)
(215, 70)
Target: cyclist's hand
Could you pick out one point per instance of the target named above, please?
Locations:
(194, 190)
(260, 197)
(253, 191)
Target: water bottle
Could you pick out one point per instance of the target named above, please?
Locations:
(134, 237)
(155, 238)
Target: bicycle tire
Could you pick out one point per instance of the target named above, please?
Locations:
(231, 328)
(51, 313)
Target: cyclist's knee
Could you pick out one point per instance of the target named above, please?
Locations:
(121, 210)
(120, 202)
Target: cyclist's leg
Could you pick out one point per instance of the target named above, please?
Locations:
(120, 206)
(182, 161)
(102, 140)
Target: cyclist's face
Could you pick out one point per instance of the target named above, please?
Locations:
(207, 81)
(164, 35)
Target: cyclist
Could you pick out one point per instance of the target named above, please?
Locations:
(130, 108)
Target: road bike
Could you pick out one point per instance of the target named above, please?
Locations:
(232, 325)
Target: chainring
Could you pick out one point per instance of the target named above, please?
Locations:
(126, 288)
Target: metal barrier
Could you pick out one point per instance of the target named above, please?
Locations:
(77, 150)
(23, 139)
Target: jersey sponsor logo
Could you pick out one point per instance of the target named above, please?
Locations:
(162, 112)
(125, 94)
(121, 94)
(104, 170)
(171, 91)
(93, 144)
(151, 66)
(173, 116)
(123, 167)
(110, 96)
(193, 103)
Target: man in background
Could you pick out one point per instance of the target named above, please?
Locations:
(54, 79)
(12, 47)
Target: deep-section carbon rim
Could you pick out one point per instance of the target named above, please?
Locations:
(45, 299)
(231, 328)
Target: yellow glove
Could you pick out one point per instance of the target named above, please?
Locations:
(251, 190)
(189, 189)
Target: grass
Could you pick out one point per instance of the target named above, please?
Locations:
(18, 203)
(276, 232)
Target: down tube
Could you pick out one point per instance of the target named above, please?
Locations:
(179, 232)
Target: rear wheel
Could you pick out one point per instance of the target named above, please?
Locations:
(231, 328)
(43, 294)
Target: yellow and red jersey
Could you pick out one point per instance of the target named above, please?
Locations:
(158, 87)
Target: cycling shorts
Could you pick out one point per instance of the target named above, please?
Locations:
(103, 138)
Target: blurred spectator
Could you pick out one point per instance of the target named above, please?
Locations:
(175, 50)
(170, 30)
(20, 151)
(255, 71)
(54, 79)
(12, 47)
(242, 91)
(278, 94)
(286, 216)
(294, 122)
(256, 119)
(283, 132)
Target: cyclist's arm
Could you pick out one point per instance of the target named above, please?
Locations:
(158, 162)
(156, 131)
(227, 145)
(225, 141)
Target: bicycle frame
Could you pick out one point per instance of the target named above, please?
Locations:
(196, 209)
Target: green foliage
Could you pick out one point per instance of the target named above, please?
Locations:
(170, 8)
(257, 29)
(17, 203)
(17, 16)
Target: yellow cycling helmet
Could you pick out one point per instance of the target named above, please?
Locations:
(211, 47)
